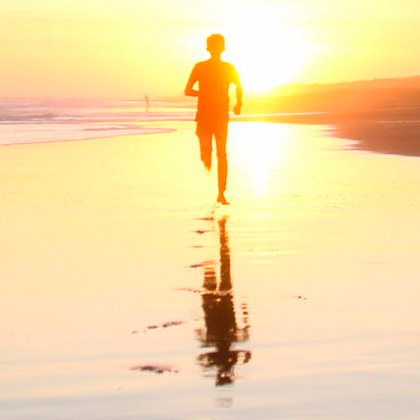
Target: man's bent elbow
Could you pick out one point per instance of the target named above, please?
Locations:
(190, 92)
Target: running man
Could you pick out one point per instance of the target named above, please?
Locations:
(214, 77)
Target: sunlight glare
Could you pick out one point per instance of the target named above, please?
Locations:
(261, 153)
(269, 56)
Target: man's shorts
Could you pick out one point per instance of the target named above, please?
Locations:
(217, 129)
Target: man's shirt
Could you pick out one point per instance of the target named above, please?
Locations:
(214, 78)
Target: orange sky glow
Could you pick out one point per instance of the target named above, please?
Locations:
(127, 48)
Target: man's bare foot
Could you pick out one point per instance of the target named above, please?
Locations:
(222, 199)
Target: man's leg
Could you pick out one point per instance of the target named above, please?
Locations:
(205, 139)
(221, 139)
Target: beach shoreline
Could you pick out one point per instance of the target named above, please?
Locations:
(392, 130)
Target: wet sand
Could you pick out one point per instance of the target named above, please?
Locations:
(389, 137)
(127, 294)
(388, 131)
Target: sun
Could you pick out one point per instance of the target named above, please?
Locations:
(268, 57)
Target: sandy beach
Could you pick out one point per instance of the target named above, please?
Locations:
(127, 294)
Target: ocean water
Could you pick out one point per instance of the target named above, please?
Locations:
(24, 121)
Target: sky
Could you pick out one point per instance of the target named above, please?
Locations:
(129, 48)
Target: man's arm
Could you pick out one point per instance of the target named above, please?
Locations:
(189, 91)
(237, 82)
(237, 107)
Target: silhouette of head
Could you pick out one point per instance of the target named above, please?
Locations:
(215, 44)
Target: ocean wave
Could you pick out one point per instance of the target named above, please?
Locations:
(27, 121)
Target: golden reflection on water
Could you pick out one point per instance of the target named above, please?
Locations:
(221, 330)
(262, 148)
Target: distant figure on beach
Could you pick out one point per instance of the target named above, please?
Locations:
(214, 77)
(147, 102)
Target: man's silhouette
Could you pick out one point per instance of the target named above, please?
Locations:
(214, 77)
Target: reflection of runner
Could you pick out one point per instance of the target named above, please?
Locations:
(214, 77)
(221, 331)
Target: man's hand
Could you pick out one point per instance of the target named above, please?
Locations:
(237, 109)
